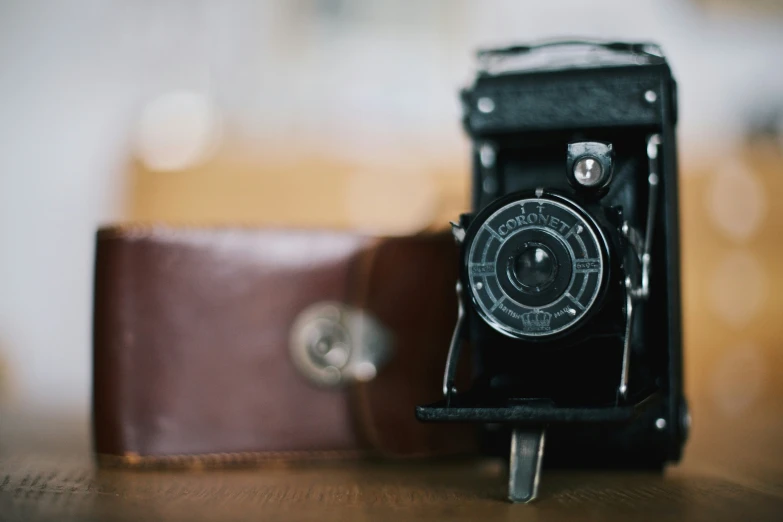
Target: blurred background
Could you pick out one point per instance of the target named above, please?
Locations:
(344, 113)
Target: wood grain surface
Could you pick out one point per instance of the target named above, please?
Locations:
(46, 473)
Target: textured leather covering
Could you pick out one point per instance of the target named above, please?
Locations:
(578, 98)
(191, 344)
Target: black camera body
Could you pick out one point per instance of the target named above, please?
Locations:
(569, 263)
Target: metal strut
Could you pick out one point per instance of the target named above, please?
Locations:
(449, 376)
(642, 247)
(450, 373)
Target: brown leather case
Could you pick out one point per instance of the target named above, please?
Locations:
(192, 333)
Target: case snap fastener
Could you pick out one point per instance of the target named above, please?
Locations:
(333, 345)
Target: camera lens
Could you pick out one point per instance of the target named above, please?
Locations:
(533, 269)
(534, 266)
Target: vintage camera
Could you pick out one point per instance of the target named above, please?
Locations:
(570, 272)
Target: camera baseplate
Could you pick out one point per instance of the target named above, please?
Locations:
(529, 419)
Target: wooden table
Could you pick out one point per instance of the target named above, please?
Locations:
(46, 473)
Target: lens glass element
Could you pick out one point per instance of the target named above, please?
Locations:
(534, 268)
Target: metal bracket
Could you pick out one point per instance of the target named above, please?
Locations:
(642, 248)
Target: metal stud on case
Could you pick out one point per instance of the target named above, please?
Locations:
(332, 344)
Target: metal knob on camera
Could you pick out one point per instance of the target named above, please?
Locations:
(333, 344)
(590, 164)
